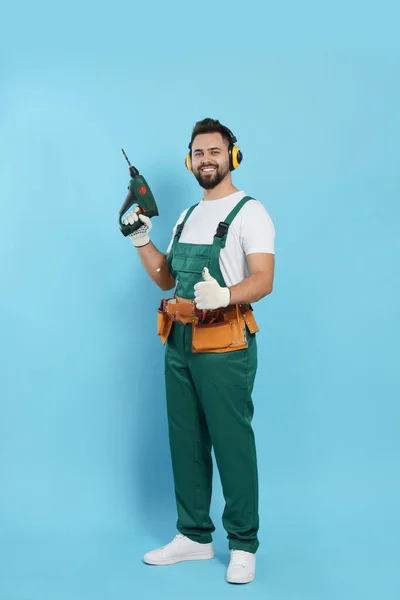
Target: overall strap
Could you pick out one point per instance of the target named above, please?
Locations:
(178, 235)
(222, 230)
(181, 225)
(220, 240)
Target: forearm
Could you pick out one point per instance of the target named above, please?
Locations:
(251, 289)
(156, 266)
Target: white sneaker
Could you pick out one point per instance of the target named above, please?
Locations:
(242, 568)
(181, 548)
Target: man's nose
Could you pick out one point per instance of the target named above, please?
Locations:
(207, 160)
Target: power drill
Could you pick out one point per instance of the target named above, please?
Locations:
(139, 193)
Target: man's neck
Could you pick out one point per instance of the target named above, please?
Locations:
(223, 189)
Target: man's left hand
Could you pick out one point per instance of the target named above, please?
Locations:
(209, 295)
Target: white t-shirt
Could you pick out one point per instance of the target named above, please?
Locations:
(251, 231)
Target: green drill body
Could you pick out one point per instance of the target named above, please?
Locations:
(139, 193)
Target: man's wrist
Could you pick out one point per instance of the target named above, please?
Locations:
(228, 295)
(144, 242)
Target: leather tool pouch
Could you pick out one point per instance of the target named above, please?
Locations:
(251, 322)
(227, 336)
(164, 325)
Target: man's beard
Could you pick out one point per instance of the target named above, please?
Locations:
(210, 181)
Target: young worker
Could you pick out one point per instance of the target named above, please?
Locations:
(220, 261)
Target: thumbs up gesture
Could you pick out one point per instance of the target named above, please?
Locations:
(209, 295)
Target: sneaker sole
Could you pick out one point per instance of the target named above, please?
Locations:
(182, 558)
(248, 579)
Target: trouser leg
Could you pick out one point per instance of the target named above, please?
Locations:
(190, 442)
(224, 383)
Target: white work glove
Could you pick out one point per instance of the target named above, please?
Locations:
(208, 294)
(140, 237)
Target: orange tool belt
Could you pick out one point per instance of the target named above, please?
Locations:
(220, 330)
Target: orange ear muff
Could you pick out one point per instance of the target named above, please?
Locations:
(188, 162)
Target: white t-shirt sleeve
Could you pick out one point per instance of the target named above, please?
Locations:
(182, 216)
(257, 232)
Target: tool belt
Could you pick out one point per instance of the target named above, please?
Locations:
(220, 330)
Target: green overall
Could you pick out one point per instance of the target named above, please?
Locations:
(209, 405)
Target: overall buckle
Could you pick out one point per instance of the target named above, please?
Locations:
(222, 229)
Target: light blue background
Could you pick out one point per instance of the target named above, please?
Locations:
(312, 92)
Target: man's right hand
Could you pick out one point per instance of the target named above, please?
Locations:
(140, 237)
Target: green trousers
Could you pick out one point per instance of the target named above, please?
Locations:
(209, 405)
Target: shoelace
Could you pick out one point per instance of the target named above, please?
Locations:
(177, 537)
(239, 557)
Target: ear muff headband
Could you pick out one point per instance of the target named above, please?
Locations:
(235, 154)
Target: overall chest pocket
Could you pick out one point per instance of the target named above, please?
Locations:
(192, 264)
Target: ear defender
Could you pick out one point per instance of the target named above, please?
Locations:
(235, 157)
(188, 162)
(235, 154)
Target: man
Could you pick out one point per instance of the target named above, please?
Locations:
(220, 260)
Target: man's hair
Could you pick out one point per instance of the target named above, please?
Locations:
(210, 126)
